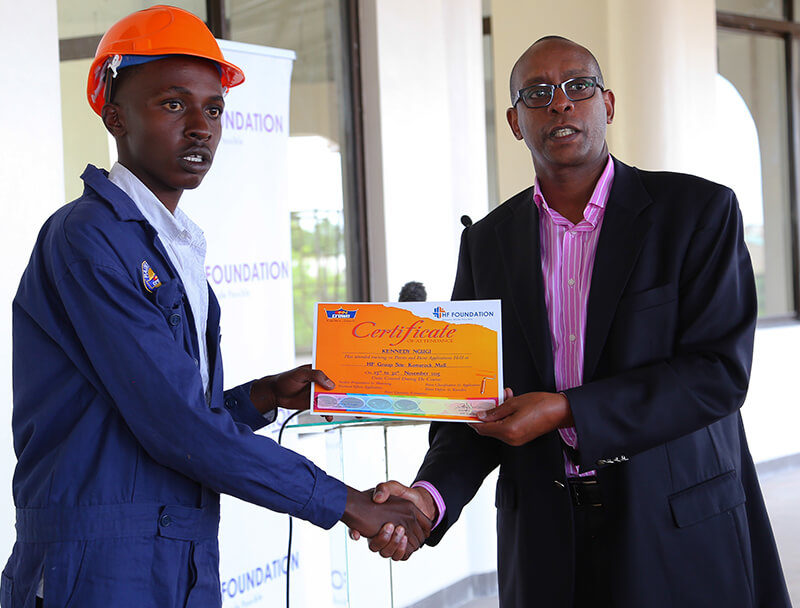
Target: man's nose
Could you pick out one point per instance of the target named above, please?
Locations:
(198, 125)
(560, 103)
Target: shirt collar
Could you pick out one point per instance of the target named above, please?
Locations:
(169, 227)
(597, 201)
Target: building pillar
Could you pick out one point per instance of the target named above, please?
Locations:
(425, 133)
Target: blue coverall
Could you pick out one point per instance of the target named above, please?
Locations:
(120, 458)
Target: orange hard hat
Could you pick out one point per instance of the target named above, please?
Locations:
(158, 30)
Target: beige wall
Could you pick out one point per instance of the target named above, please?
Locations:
(649, 50)
(78, 18)
(85, 138)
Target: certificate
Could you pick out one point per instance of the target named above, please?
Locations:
(409, 360)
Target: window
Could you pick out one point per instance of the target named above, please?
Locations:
(756, 62)
(773, 9)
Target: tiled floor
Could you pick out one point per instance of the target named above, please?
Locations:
(782, 494)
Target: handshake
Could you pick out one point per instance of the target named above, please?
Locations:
(396, 519)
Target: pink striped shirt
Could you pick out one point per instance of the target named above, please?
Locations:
(568, 251)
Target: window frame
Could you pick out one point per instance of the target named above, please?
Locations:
(789, 31)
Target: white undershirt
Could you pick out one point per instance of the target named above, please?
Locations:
(186, 246)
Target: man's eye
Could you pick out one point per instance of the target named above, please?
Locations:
(537, 93)
(173, 105)
(214, 112)
(580, 85)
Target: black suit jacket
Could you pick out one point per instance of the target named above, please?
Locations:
(669, 339)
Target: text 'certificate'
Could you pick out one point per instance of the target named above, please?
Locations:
(423, 360)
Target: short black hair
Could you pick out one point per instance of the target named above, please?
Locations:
(413, 291)
(113, 84)
(592, 59)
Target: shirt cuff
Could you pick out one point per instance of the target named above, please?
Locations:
(437, 499)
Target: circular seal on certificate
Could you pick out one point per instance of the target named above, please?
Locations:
(406, 405)
(328, 402)
(352, 403)
(379, 404)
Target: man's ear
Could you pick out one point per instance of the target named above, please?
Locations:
(113, 119)
(513, 122)
(608, 96)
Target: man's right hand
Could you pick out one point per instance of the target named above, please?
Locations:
(391, 542)
(369, 517)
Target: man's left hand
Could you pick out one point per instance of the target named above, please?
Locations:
(522, 419)
(290, 389)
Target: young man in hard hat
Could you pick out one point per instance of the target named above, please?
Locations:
(123, 433)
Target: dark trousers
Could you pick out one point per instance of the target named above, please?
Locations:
(592, 589)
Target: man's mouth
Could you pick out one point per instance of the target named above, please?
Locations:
(196, 159)
(562, 132)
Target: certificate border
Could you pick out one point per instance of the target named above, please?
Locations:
(406, 415)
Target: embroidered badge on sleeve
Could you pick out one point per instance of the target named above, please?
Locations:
(149, 278)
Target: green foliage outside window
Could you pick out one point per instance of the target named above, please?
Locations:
(318, 268)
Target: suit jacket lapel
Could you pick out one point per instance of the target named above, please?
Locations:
(523, 269)
(622, 235)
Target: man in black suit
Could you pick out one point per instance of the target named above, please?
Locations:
(625, 477)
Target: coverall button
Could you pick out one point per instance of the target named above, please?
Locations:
(165, 520)
(230, 402)
(174, 319)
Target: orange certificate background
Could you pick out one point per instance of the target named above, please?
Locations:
(378, 349)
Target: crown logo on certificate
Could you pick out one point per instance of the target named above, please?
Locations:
(422, 360)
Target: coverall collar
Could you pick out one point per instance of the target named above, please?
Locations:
(117, 199)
